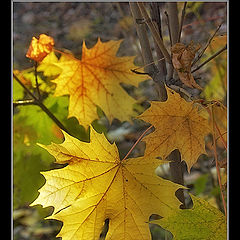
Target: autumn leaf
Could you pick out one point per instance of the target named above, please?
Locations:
(40, 48)
(95, 80)
(203, 221)
(48, 65)
(182, 57)
(96, 185)
(178, 125)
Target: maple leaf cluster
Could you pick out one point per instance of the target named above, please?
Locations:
(96, 184)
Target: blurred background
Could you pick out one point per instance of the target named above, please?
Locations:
(69, 24)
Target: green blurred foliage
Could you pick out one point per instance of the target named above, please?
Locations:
(200, 184)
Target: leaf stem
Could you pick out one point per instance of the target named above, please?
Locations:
(216, 161)
(36, 80)
(134, 145)
(41, 105)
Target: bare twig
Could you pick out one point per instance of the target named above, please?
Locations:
(181, 90)
(41, 105)
(24, 102)
(169, 30)
(181, 21)
(220, 135)
(210, 58)
(216, 161)
(150, 67)
(135, 69)
(154, 32)
(206, 46)
(156, 18)
(36, 80)
(143, 38)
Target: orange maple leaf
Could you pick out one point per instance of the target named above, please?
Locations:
(40, 48)
(178, 125)
(95, 81)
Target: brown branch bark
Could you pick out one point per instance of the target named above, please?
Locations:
(156, 19)
(210, 58)
(154, 32)
(141, 18)
(150, 68)
(176, 165)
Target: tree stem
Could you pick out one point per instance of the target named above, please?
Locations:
(176, 165)
(41, 105)
(150, 67)
(154, 32)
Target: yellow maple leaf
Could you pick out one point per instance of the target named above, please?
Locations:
(95, 80)
(96, 185)
(178, 125)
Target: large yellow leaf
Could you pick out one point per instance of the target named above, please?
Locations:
(96, 185)
(95, 80)
(178, 125)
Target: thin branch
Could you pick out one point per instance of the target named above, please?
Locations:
(143, 38)
(169, 29)
(181, 21)
(156, 18)
(181, 90)
(210, 58)
(220, 135)
(36, 80)
(24, 102)
(150, 66)
(216, 161)
(206, 46)
(135, 69)
(154, 32)
(41, 105)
